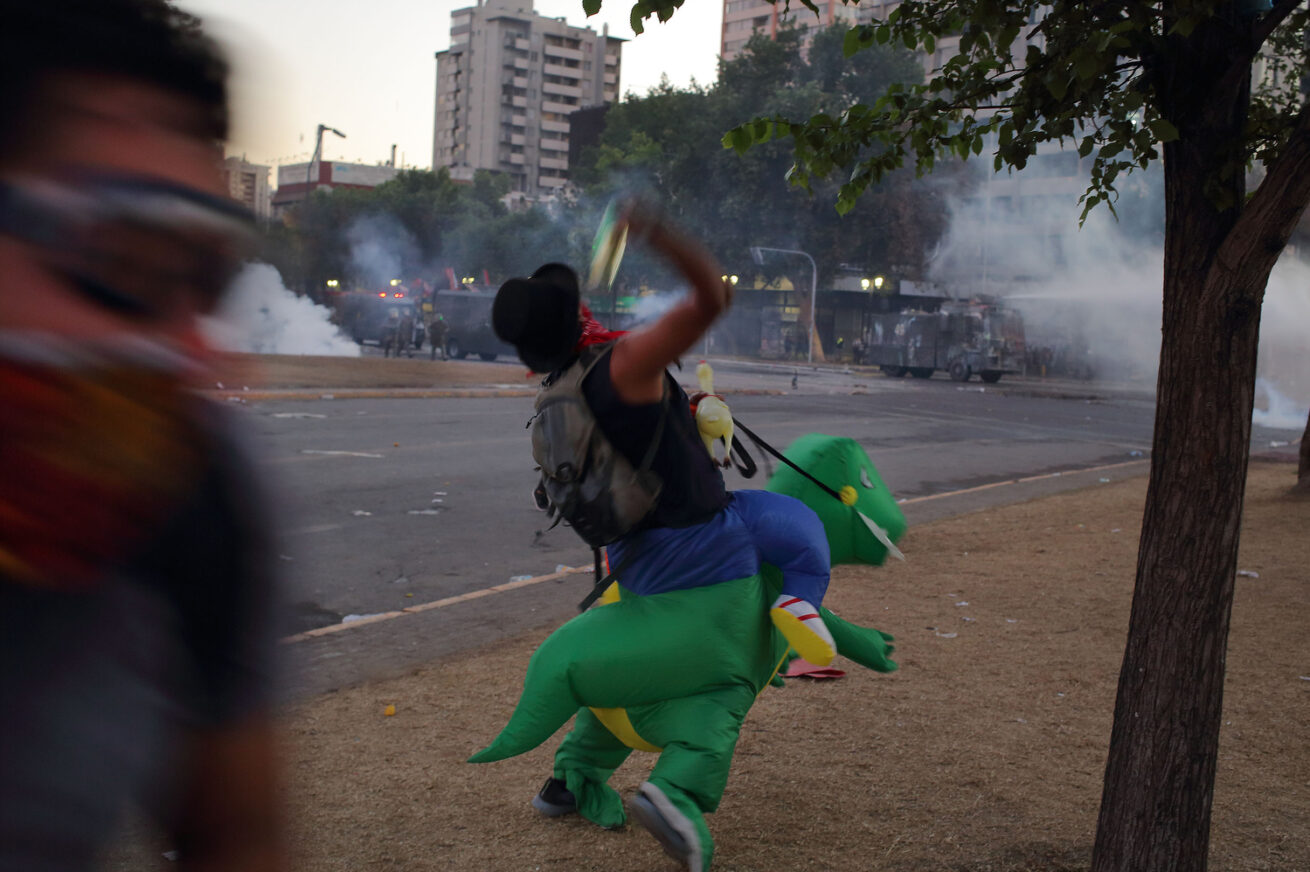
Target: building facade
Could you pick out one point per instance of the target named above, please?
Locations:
(296, 181)
(247, 183)
(506, 87)
(742, 19)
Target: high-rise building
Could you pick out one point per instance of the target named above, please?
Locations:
(742, 19)
(247, 183)
(506, 87)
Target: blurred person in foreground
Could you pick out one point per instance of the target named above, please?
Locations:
(135, 581)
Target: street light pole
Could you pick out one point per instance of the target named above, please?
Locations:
(757, 254)
(318, 154)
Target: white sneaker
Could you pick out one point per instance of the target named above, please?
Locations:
(799, 622)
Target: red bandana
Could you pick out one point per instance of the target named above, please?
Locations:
(593, 333)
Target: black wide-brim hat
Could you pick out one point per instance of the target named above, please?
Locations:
(539, 317)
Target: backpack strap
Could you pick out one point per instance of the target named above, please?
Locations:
(601, 583)
(649, 458)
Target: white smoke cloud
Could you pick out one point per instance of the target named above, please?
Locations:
(1096, 291)
(260, 316)
(1280, 411)
(1285, 339)
(380, 249)
(648, 307)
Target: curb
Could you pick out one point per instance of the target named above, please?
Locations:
(258, 396)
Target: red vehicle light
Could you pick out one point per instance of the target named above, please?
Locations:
(382, 293)
(397, 296)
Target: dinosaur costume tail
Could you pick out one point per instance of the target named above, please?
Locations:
(546, 705)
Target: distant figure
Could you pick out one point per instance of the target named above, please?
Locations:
(438, 329)
(389, 338)
(405, 333)
(136, 575)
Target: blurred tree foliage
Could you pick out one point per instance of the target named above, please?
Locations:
(665, 145)
(420, 223)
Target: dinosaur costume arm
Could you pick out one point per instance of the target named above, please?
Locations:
(866, 646)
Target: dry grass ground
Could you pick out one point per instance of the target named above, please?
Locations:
(983, 753)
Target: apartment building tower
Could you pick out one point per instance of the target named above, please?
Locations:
(506, 87)
(744, 18)
(247, 183)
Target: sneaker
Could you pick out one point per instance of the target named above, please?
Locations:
(676, 833)
(804, 630)
(555, 799)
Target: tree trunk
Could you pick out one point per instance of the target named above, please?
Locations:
(1303, 468)
(1159, 778)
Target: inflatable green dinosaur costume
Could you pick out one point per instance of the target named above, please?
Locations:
(676, 673)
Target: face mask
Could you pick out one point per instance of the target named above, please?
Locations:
(130, 245)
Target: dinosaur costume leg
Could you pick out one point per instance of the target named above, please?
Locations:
(585, 760)
(790, 537)
(698, 735)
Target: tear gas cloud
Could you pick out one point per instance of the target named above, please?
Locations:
(651, 306)
(381, 249)
(260, 316)
(1092, 296)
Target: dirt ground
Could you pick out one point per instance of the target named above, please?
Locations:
(305, 371)
(983, 753)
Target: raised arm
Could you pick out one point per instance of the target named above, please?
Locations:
(640, 358)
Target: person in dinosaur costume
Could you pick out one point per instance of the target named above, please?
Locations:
(716, 650)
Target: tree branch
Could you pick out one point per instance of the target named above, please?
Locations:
(1267, 25)
(1274, 209)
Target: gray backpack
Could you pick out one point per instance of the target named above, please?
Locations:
(585, 481)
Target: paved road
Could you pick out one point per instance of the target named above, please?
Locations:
(391, 503)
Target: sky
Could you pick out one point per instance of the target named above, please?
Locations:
(366, 68)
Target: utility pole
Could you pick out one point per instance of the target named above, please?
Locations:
(318, 155)
(757, 254)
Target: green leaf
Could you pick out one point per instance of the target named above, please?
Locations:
(591, 7)
(1057, 84)
(635, 19)
(853, 41)
(1086, 66)
(1164, 131)
(1185, 25)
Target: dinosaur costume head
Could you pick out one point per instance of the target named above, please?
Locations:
(842, 465)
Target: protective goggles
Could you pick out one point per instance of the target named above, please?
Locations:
(131, 245)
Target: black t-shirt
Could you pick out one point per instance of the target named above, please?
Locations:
(693, 486)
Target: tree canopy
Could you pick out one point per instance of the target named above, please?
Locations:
(666, 143)
(1095, 76)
